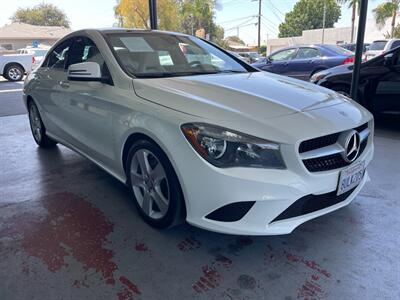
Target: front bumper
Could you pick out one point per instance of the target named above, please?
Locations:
(273, 191)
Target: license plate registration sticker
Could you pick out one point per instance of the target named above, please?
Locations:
(350, 177)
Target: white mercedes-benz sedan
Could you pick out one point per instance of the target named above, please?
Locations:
(199, 135)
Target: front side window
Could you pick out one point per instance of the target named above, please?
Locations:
(283, 55)
(167, 55)
(58, 56)
(307, 53)
(84, 50)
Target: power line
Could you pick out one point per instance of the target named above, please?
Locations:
(237, 19)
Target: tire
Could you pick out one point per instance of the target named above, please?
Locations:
(37, 127)
(156, 192)
(14, 73)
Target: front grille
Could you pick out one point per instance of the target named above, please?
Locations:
(325, 163)
(329, 162)
(318, 142)
(312, 203)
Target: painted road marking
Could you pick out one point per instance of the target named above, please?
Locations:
(10, 91)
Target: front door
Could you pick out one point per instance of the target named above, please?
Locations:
(85, 106)
(387, 92)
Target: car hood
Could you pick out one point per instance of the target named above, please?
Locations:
(257, 95)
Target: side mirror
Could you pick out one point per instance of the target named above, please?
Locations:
(268, 60)
(86, 71)
(388, 60)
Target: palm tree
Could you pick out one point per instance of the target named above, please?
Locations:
(388, 9)
(353, 4)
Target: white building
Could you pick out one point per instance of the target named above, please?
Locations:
(332, 36)
(21, 35)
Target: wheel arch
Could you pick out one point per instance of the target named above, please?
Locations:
(7, 65)
(318, 69)
(360, 93)
(138, 135)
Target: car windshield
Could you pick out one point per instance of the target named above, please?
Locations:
(339, 50)
(378, 45)
(153, 55)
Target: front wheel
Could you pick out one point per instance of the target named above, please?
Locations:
(37, 127)
(154, 185)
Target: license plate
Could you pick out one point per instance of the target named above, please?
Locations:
(350, 177)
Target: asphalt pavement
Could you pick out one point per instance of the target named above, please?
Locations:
(11, 98)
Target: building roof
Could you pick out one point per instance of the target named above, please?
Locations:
(27, 31)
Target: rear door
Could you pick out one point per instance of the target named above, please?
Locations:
(306, 60)
(279, 62)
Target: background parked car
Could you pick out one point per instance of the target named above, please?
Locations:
(14, 66)
(352, 47)
(252, 57)
(303, 61)
(245, 59)
(381, 46)
(38, 54)
(379, 89)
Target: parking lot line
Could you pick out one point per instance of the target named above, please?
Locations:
(10, 91)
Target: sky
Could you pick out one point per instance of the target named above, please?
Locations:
(229, 14)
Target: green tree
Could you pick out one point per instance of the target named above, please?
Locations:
(235, 39)
(353, 4)
(396, 33)
(383, 11)
(135, 14)
(43, 15)
(197, 14)
(308, 14)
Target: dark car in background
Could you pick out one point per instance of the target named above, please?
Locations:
(352, 47)
(379, 89)
(303, 61)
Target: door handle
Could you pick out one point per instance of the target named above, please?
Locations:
(64, 84)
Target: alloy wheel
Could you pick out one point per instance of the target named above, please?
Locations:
(35, 122)
(150, 184)
(14, 74)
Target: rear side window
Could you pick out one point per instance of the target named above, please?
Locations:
(58, 56)
(337, 50)
(283, 55)
(378, 45)
(305, 53)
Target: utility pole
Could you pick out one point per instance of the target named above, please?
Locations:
(323, 23)
(259, 24)
(153, 14)
(359, 48)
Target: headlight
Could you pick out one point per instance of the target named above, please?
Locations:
(318, 76)
(226, 148)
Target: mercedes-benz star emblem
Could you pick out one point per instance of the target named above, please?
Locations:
(352, 146)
